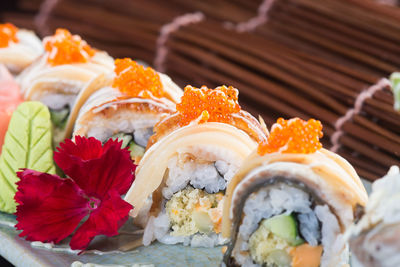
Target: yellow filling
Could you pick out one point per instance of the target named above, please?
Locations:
(267, 248)
(193, 210)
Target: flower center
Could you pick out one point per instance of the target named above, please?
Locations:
(93, 203)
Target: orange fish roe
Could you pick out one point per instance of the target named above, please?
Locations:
(213, 105)
(293, 136)
(8, 33)
(65, 48)
(137, 81)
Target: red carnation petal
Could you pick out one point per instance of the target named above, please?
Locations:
(82, 149)
(27, 192)
(50, 208)
(113, 169)
(105, 220)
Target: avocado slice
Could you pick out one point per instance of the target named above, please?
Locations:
(284, 226)
(136, 150)
(59, 117)
(126, 138)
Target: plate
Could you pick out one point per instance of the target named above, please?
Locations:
(104, 251)
(101, 252)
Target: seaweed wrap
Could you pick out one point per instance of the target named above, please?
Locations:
(375, 240)
(128, 105)
(291, 202)
(18, 47)
(61, 76)
(180, 182)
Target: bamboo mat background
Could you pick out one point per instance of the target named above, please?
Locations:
(305, 58)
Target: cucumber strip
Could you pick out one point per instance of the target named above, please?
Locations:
(284, 226)
(136, 150)
(126, 138)
(59, 117)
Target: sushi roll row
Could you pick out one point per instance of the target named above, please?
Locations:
(208, 173)
(274, 199)
(86, 91)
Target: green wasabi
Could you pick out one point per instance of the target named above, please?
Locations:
(27, 144)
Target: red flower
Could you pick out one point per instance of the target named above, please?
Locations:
(50, 208)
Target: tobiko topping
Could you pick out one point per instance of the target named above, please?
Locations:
(212, 105)
(52, 208)
(8, 33)
(65, 48)
(136, 81)
(293, 136)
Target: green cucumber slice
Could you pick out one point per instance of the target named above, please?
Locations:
(136, 150)
(284, 226)
(59, 117)
(126, 138)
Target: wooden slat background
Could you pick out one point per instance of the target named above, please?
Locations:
(311, 58)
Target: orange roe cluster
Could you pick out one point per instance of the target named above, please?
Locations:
(213, 105)
(136, 81)
(293, 136)
(8, 33)
(65, 48)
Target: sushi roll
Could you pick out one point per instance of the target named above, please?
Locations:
(291, 202)
(18, 47)
(375, 240)
(180, 182)
(128, 105)
(60, 77)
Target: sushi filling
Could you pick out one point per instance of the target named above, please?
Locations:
(59, 117)
(192, 211)
(136, 142)
(282, 226)
(192, 203)
(60, 106)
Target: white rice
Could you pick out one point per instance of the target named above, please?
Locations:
(309, 227)
(199, 175)
(142, 136)
(103, 128)
(284, 199)
(158, 228)
(58, 101)
(332, 240)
